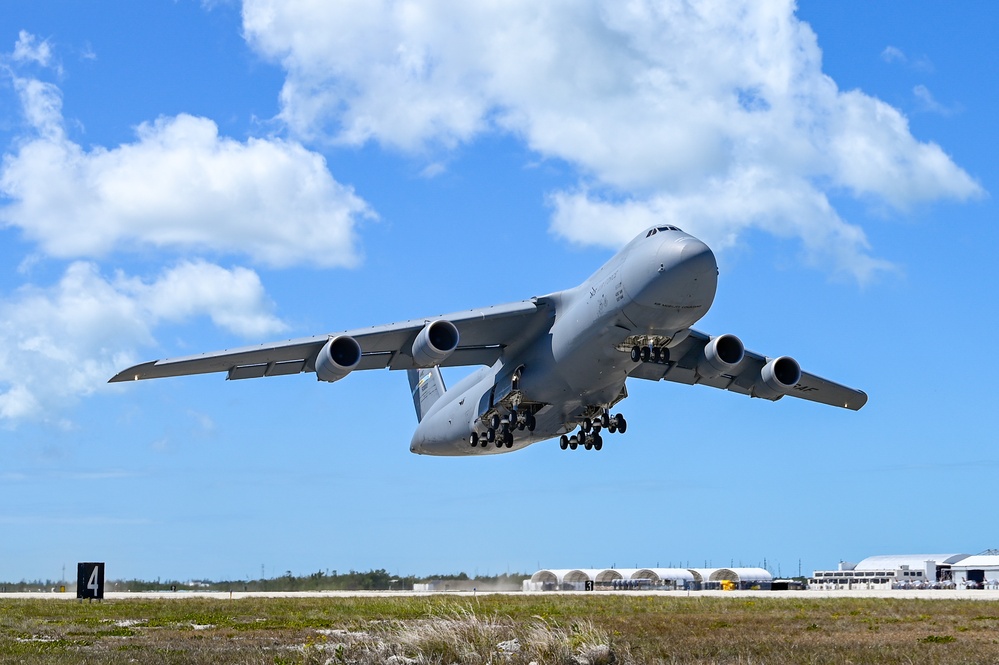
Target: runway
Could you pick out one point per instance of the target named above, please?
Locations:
(915, 594)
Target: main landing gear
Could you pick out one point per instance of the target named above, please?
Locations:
(650, 354)
(589, 432)
(500, 430)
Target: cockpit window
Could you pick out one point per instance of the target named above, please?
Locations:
(657, 229)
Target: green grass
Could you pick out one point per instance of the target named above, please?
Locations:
(499, 629)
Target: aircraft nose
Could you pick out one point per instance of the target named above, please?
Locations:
(697, 258)
(688, 275)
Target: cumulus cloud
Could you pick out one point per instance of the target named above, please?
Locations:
(63, 342)
(660, 105)
(179, 186)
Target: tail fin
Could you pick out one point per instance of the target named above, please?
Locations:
(427, 386)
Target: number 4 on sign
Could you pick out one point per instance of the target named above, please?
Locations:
(94, 584)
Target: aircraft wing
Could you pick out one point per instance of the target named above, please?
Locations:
(682, 368)
(483, 333)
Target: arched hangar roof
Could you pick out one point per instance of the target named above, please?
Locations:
(741, 575)
(659, 574)
(913, 561)
(979, 561)
(546, 577)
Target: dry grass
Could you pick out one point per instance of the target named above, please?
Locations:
(591, 628)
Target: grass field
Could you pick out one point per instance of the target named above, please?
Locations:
(593, 628)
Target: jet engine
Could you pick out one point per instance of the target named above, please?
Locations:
(777, 378)
(337, 358)
(435, 343)
(720, 356)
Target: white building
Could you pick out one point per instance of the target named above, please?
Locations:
(977, 571)
(889, 571)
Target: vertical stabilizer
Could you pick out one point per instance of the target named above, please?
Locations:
(427, 386)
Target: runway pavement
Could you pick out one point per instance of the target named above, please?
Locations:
(922, 594)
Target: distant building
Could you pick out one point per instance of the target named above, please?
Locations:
(663, 579)
(980, 570)
(889, 571)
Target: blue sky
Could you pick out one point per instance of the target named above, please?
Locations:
(181, 177)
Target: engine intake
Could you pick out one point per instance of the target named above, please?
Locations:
(338, 358)
(777, 378)
(435, 343)
(720, 356)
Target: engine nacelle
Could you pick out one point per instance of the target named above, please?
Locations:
(777, 378)
(720, 356)
(338, 358)
(435, 343)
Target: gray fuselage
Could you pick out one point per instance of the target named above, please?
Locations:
(575, 364)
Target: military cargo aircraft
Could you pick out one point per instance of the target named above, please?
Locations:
(551, 366)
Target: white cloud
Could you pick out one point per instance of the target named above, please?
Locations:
(929, 104)
(65, 341)
(180, 186)
(893, 54)
(651, 102)
(29, 49)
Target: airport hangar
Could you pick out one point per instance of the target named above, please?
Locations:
(693, 579)
(961, 571)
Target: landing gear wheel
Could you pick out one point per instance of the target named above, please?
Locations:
(531, 422)
(646, 354)
(636, 354)
(563, 442)
(664, 355)
(494, 422)
(587, 424)
(612, 428)
(473, 439)
(605, 419)
(521, 425)
(513, 418)
(573, 442)
(588, 445)
(598, 442)
(622, 424)
(582, 437)
(499, 440)
(490, 435)
(654, 355)
(509, 439)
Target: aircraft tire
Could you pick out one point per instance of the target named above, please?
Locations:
(636, 354)
(473, 439)
(664, 355)
(490, 435)
(494, 422)
(598, 442)
(532, 422)
(622, 424)
(573, 442)
(514, 418)
(509, 439)
(563, 442)
(588, 444)
(605, 419)
(646, 354)
(587, 425)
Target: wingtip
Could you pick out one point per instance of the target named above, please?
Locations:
(132, 373)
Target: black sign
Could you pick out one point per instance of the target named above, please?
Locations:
(90, 580)
(589, 585)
